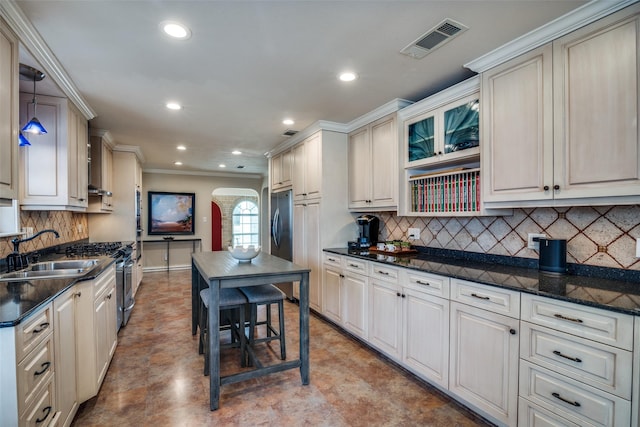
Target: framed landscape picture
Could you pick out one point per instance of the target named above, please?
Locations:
(171, 213)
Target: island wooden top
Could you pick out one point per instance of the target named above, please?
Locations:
(220, 265)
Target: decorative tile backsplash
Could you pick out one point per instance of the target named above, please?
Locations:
(71, 226)
(603, 236)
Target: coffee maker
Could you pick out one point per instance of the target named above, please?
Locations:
(368, 230)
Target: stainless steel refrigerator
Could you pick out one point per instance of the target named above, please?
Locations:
(282, 232)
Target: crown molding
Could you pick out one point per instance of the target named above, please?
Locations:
(565, 24)
(130, 149)
(306, 132)
(445, 96)
(203, 173)
(385, 109)
(35, 44)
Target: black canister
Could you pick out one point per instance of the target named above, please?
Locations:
(553, 255)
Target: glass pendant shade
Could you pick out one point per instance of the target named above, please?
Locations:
(22, 140)
(34, 126)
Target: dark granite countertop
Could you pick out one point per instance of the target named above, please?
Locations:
(612, 290)
(20, 299)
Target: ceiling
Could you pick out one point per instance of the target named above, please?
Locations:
(250, 64)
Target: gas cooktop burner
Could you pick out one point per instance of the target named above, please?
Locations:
(94, 249)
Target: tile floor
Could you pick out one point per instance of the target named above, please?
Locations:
(155, 377)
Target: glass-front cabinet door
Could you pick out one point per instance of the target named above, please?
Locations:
(421, 138)
(461, 127)
(444, 134)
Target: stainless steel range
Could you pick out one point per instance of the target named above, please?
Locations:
(124, 265)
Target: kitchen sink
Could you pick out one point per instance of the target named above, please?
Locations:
(51, 270)
(71, 264)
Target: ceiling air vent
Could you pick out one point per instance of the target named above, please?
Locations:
(289, 132)
(434, 38)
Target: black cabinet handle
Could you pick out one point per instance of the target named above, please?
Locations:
(439, 153)
(545, 188)
(45, 367)
(512, 331)
(556, 187)
(574, 403)
(382, 272)
(573, 359)
(42, 327)
(397, 294)
(46, 411)
(342, 275)
(403, 295)
(420, 282)
(570, 319)
(480, 297)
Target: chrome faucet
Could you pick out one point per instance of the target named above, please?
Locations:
(17, 261)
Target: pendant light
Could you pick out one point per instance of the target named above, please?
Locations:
(33, 126)
(22, 140)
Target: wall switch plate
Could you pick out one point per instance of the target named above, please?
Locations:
(531, 244)
(638, 247)
(413, 234)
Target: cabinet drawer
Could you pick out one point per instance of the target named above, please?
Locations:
(581, 403)
(427, 283)
(355, 265)
(103, 280)
(381, 271)
(596, 364)
(42, 412)
(600, 325)
(333, 260)
(490, 298)
(31, 332)
(532, 415)
(36, 369)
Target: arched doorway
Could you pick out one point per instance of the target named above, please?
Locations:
(216, 227)
(226, 199)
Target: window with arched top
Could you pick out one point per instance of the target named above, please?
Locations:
(246, 226)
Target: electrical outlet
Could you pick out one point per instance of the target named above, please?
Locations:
(638, 247)
(413, 234)
(531, 244)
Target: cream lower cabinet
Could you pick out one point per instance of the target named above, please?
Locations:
(576, 364)
(560, 123)
(408, 318)
(96, 332)
(345, 292)
(64, 312)
(483, 360)
(306, 247)
(28, 370)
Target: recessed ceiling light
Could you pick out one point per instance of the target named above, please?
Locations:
(177, 163)
(288, 122)
(222, 165)
(236, 152)
(174, 106)
(181, 147)
(348, 76)
(175, 30)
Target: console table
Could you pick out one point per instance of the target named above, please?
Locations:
(169, 241)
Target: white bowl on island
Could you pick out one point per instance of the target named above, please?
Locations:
(244, 253)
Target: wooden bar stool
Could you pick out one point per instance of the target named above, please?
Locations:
(232, 307)
(266, 295)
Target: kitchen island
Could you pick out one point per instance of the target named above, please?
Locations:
(218, 270)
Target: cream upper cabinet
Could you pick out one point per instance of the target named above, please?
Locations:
(561, 122)
(53, 169)
(8, 113)
(307, 168)
(517, 152)
(281, 170)
(101, 175)
(373, 165)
